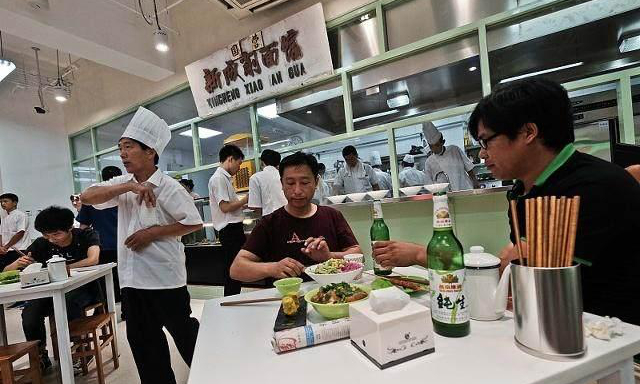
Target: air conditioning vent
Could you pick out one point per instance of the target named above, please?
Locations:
(240, 9)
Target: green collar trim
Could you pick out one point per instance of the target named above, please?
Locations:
(556, 163)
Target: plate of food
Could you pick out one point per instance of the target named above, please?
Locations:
(332, 300)
(334, 271)
(417, 284)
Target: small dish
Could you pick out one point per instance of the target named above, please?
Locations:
(337, 199)
(377, 195)
(411, 191)
(357, 197)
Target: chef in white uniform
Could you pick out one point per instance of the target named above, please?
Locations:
(265, 187)
(384, 179)
(355, 176)
(410, 176)
(14, 228)
(154, 211)
(450, 161)
(322, 189)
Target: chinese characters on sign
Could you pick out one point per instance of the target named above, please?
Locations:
(277, 59)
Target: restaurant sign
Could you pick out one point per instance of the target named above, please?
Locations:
(277, 59)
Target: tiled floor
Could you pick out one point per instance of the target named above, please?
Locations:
(125, 374)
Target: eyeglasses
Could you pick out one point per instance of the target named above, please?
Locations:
(485, 142)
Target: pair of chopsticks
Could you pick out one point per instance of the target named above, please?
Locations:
(551, 226)
(251, 301)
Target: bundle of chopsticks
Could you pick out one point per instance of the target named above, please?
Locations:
(551, 225)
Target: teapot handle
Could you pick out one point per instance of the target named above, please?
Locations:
(502, 291)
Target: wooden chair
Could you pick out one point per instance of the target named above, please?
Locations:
(13, 352)
(90, 335)
(97, 308)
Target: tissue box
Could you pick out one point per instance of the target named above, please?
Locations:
(34, 278)
(394, 337)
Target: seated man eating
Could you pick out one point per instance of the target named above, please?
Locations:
(297, 235)
(80, 247)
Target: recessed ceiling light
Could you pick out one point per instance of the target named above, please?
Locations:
(398, 101)
(203, 133)
(161, 40)
(541, 72)
(309, 112)
(471, 69)
(629, 44)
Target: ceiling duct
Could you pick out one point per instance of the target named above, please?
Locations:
(39, 108)
(240, 9)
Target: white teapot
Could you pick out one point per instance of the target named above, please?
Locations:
(57, 267)
(486, 291)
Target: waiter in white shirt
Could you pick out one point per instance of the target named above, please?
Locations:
(14, 229)
(154, 211)
(322, 189)
(384, 179)
(226, 211)
(265, 187)
(447, 164)
(355, 176)
(410, 176)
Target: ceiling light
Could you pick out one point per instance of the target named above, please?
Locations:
(630, 43)
(385, 113)
(541, 72)
(161, 40)
(60, 94)
(398, 101)
(364, 17)
(203, 133)
(6, 66)
(269, 111)
(471, 69)
(309, 112)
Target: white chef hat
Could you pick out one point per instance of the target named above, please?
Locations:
(408, 159)
(147, 128)
(431, 133)
(375, 158)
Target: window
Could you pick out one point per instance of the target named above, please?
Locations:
(442, 77)
(175, 108)
(111, 159)
(635, 92)
(410, 21)
(84, 175)
(107, 135)
(179, 152)
(354, 41)
(230, 128)
(81, 145)
(566, 45)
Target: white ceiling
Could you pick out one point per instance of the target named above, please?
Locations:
(109, 32)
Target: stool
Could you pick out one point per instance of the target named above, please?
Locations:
(13, 352)
(90, 335)
(98, 307)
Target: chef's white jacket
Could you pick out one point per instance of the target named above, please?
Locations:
(360, 178)
(410, 177)
(454, 163)
(265, 190)
(384, 179)
(161, 264)
(13, 223)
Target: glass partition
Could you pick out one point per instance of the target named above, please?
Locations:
(566, 45)
(84, 175)
(230, 128)
(635, 92)
(178, 154)
(440, 78)
(81, 145)
(175, 108)
(111, 159)
(107, 135)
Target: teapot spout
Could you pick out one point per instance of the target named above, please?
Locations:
(502, 290)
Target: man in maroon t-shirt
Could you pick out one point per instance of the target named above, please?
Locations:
(297, 235)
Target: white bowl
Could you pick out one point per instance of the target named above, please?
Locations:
(337, 199)
(377, 195)
(435, 188)
(357, 196)
(324, 279)
(411, 191)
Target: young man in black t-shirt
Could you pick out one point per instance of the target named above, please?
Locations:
(525, 130)
(80, 247)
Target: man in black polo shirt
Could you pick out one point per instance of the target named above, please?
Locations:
(526, 133)
(80, 247)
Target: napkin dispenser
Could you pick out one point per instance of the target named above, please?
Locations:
(34, 275)
(391, 338)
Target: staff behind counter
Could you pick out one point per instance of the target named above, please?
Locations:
(525, 130)
(355, 176)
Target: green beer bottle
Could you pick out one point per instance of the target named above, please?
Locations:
(379, 232)
(449, 310)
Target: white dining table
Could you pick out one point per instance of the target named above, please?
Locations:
(13, 292)
(234, 346)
